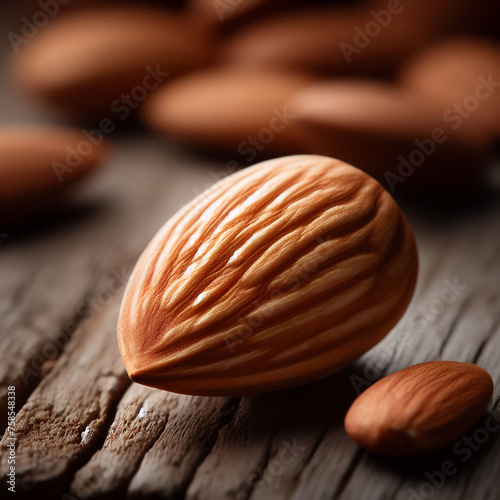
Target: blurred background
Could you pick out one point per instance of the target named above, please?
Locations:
(407, 91)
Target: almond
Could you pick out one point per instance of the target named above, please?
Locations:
(419, 409)
(394, 134)
(37, 165)
(227, 109)
(371, 38)
(462, 75)
(279, 275)
(83, 61)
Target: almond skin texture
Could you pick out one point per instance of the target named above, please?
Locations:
(279, 275)
(420, 409)
(28, 179)
(83, 61)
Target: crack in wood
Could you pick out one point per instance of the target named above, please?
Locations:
(31, 375)
(348, 474)
(260, 470)
(465, 304)
(232, 408)
(103, 476)
(170, 464)
(479, 351)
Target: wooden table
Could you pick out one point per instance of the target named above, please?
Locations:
(84, 431)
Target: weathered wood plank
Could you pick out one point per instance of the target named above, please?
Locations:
(188, 437)
(65, 418)
(140, 419)
(241, 449)
(208, 448)
(314, 410)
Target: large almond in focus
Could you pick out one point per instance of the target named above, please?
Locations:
(37, 165)
(393, 134)
(85, 60)
(278, 275)
(420, 409)
(232, 110)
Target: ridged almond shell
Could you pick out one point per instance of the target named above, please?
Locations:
(420, 409)
(280, 274)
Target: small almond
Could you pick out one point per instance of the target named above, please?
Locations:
(280, 274)
(420, 409)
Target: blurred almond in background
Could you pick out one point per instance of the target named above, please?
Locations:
(369, 38)
(391, 133)
(38, 165)
(390, 86)
(462, 74)
(233, 110)
(82, 62)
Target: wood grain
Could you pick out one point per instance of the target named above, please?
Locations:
(139, 421)
(83, 431)
(144, 443)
